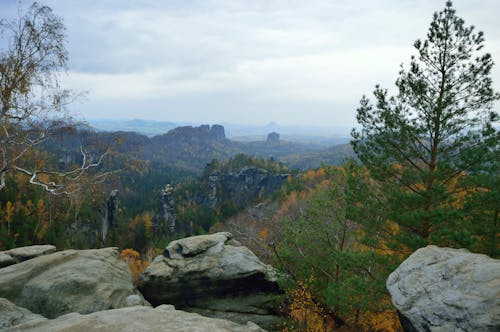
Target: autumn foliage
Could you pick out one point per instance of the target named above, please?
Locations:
(135, 262)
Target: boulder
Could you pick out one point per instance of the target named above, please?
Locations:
(11, 315)
(443, 289)
(21, 254)
(132, 319)
(81, 281)
(6, 260)
(216, 276)
(29, 252)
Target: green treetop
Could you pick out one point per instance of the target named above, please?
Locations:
(437, 130)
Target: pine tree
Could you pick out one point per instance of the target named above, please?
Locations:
(435, 131)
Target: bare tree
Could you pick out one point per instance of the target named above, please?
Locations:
(32, 102)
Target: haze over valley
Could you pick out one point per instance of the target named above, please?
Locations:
(233, 165)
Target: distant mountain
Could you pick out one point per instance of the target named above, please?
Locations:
(190, 148)
(323, 136)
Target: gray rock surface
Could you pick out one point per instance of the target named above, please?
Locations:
(81, 281)
(240, 187)
(164, 222)
(21, 254)
(11, 315)
(210, 275)
(443, 289)
(139, 318)
(134, 299)
(29, 252)
(6, 260)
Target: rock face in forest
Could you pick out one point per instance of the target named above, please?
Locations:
(443, 289)
(239, 187)
(164, 222)
(215, 276)
(132, 319)
(81, 281)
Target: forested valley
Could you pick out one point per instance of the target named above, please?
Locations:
(422, 169)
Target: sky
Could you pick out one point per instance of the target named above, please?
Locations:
(244, 61)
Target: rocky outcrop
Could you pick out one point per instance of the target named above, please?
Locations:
(273, 138)
(81, 281)
(189, 133)
(6, 260)
(442, 289)
(218, 132)
(138, 318)
(164, 222)
(112, 208)
(11, 315)
(21, 254)
(216, 276)
(240, 187)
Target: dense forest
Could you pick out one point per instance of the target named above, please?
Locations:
(422, 168)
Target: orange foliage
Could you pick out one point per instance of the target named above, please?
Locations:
(135, 263)
(384, 321)
(263, 234)
(306, 315)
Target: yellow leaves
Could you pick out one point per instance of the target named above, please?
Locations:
(43, 222)
(381, 321)
(314, 176)
(10, 210)
(136, 265)
(145, 219)
(288, 203)
(385, 321)
(398, 167)
(128, 255)
(263, 234)
(304, 311)
(148, 223)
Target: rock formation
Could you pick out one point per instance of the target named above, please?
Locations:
(442, 289)
(81, 281)
(11, 315)
(240, 187)
(112, 207)
(132, 319)
(216, 276)
(273, 138)
(21, 254)
(217, 132)
(165, 219)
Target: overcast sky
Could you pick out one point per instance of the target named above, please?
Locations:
(292, 62)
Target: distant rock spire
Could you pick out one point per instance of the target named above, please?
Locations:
(273, 138)
(166, 215)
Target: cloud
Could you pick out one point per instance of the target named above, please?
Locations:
(270, 58)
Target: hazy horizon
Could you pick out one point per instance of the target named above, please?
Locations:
(290, 62)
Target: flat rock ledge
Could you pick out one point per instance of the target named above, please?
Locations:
(443, 289)
(132, 319)
(16, 255)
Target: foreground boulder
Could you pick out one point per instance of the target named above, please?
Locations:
(442, 289)
(21, 254)
(215, 276)
(132, 319)
(81, 281)
(11, 315)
